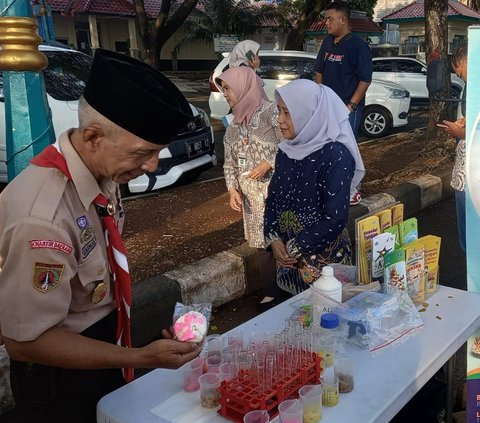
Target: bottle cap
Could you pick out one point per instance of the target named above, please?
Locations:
(329, 321)
(327, 271)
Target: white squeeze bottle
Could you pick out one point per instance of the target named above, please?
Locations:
(328, 284)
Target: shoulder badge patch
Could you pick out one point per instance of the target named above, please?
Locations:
(87, 234)
(47, 276)
(48, 243)
(82, 222)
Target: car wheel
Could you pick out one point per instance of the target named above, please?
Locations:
(456, 92)
(376, 122)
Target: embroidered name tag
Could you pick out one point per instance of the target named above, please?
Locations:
(54, 245)
(88, 247)
(47, 276)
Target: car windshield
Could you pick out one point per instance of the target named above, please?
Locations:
(67, 74)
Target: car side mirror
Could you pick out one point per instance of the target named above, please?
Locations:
(436, 71)
(424, 70)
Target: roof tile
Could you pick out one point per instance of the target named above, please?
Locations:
(417, 10)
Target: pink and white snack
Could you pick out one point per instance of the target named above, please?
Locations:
(190, 327)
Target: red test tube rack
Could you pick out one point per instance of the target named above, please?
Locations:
(243, 393)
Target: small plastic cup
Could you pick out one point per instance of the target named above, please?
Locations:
(330, 395)
(245, 360)
(291, 411)
(226, 371)
(235, 338)
(344, 372)
(214, 345)
(213, 363)
(191, 372)
(256, 416)
(209, 395)
(311, 399)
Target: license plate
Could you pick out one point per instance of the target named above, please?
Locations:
(197, 147)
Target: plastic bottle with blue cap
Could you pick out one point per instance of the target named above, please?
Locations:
(330, 329)
(329, 323)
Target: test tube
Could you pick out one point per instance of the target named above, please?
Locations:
(260, 373)
(281, 361)
(270, 371)
(236, 359)
(289, 359)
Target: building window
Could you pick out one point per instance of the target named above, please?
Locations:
(414, 45)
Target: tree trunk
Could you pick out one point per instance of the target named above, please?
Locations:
(311, 11)
(166, 27)
(475, 4)
(436, 41)
(143, 28)
(174, 59)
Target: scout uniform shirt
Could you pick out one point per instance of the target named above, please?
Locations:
(53, 260)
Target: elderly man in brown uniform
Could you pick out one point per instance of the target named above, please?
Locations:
(64, 284)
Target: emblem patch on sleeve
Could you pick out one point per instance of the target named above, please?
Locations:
(48, 243)
(47, 276)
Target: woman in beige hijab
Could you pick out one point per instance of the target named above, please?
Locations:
(251, 143)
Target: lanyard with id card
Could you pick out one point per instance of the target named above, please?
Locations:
(242, 160)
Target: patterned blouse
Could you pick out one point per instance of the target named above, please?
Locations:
(245, 148)
(307, 208)
(458, 172)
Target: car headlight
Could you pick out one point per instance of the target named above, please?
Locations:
(396, 93)
(204, 116)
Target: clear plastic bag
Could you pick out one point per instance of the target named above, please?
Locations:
(372, 320)
(344, 273)
(190, 322)
(388, 319)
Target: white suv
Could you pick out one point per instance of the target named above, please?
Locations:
(411, 74)
(387, 104)
(65, 78)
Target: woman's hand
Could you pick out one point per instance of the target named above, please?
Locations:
(235, 199)
(259, 171)
(281, 254)
(455, 129)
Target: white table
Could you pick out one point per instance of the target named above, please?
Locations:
(383, 384)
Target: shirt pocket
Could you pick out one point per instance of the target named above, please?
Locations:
(91, 273)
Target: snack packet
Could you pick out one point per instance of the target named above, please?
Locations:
(190, 322)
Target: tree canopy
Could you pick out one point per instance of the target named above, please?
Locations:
(204, 18)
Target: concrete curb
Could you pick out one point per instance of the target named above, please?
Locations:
(231, 274)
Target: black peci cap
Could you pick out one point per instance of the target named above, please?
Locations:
(136, 97)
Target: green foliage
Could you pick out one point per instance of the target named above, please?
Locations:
(363, 5)
(222, 17)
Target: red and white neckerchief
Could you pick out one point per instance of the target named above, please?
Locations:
(117, 255)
